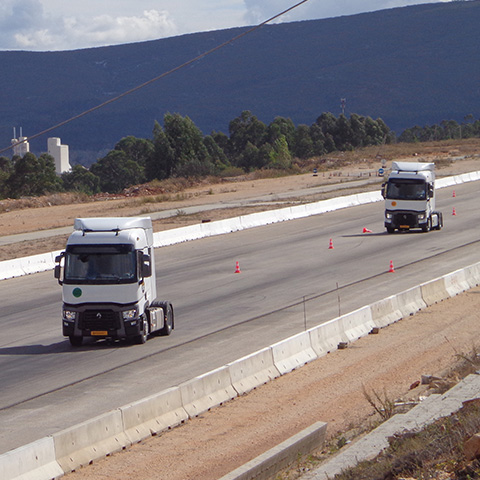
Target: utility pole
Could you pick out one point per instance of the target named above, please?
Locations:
(343, 102)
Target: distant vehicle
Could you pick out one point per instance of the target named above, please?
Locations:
(410, 197)
(107, 273)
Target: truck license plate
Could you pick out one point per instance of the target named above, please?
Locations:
(405, 226)
(99, 333)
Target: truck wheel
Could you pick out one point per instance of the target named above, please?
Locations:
(168, 320)
(439, 221)
(390, 229)
(428, 226)
(143, 337)
(75, 341)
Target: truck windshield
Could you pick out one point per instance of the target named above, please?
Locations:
(100, 264)
(406, 189)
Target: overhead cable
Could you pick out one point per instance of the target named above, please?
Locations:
(159, 77)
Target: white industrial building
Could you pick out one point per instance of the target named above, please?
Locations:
(20, 145)
(60, 154)
(55, 148)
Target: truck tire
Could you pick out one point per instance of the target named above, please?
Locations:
(390, 229)
(428, 226)
(143, 337)
(75, 341)
(439, 221)
(169, 321)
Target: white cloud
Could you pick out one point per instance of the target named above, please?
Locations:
(260, 10)
(108, 30)
(26, 25)
(18, 17)
(80, 32)
(74, 24)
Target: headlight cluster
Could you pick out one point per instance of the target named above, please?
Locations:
(130, 314)
(389, 215)
(421, 216)
(69, 315)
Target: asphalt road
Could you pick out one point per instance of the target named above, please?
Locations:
(290, 280)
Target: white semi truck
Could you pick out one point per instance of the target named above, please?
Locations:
(410, 197)
(107, 273)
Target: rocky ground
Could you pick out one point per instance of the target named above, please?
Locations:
(330, 389)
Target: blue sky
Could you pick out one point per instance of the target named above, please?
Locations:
(40, 25)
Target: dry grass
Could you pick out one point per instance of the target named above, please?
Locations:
(436, 452)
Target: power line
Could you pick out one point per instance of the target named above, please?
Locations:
(159, 77)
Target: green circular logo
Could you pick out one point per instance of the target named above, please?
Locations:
(77, 292)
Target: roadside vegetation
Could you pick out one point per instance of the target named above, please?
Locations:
(179, 158)
(178, 149)
(437, 451)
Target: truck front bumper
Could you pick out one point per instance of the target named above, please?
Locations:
(101, 321)
(405, 220)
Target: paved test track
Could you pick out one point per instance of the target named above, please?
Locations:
(46, 385)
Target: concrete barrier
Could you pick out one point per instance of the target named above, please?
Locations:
(445, 182)
(207, 391)
(357, 323)
(176, 235)
(252, 371)
(325, 337)
(220, 227)
(456, 282)
(255, 219)
(81, 444)
(265, 466)
(386, 311)
(371, 197)
(434, 291)
(293, 352)
(410, 301)
(472, 275)
(11, 269)
(35, 461)
(153, 414)
(14, 268)
(324, 206)
(168, 237)
(37, 263)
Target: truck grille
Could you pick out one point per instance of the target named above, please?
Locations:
(99, 320)
(405, 219)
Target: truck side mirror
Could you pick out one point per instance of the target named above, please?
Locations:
(431, 191)
(383, 189)
(146, 265)
(57, 272)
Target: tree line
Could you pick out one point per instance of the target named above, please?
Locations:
(179, 149)
(445, 130)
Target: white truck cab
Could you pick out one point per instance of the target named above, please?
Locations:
(107, 272)
(410, 197)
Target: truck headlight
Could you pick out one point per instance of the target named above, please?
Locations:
(130, 314)
(421, 216)
(389, 215)
(69, 315)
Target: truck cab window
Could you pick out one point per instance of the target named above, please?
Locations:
(406, 190)
(103, 265)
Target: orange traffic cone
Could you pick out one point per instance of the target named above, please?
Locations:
(366, 230)
(453, 195)
(454, 212)
(237, 268)
(331, 245)
(392, 270)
